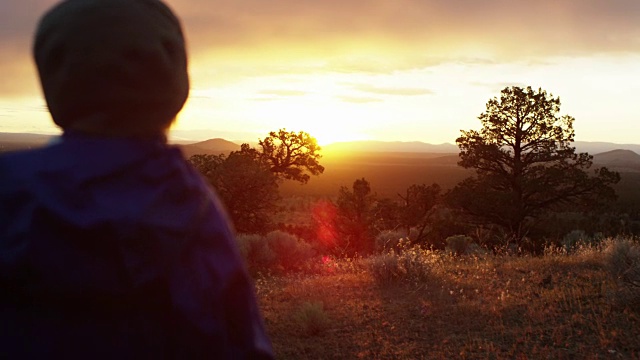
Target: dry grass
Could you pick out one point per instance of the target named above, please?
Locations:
(558, 306)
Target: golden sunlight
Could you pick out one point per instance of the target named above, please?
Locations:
(333, 134)
(327, 119)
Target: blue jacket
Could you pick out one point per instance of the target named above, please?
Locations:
(117, 248)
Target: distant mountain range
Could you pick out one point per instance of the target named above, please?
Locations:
(618, 160)
(209, 147)
(417, 146)
(20, 141)
(11, 141)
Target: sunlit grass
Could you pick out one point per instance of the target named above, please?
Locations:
(560, 305)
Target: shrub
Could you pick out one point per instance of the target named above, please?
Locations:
(345, 265)
(578, 238)
(388, 240)
(574, 237)
(475, 249)
(243, 241)
(312, 318)
(416, 263)
(278, 252)
(255, 251)
(385, 267)
(291, 252)
(623, 260)
(412, 264)
(458, 244)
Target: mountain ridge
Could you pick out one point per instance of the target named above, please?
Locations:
(217, 145)
(209, 147)
(618, 160)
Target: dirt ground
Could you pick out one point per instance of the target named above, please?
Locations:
(495, 308)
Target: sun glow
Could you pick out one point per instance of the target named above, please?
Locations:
(334, 133)
(427, 104)
(327, 122)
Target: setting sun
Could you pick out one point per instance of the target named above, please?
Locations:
(326, 120)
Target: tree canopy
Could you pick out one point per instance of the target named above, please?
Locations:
(246, 180)
(525, 163)
(246, 187)
(355, 217)
(291, 155)
(418, 205)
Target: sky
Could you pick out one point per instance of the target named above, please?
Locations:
(390, 70)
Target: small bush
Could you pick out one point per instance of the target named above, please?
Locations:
(243, 244)
(475, 249)
(291, 252)
(411, 264)
(276, 252)
(578, 238)
(389, 240)
(344, 265)
(312, 318)
(623, 260)
(255, 251)
(458, 244)
(385, 268)
(416, 263)
(574, 237)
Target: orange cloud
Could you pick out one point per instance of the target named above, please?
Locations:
(253, 37)
(504, 27)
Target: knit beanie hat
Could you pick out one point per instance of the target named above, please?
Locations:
(112, 67)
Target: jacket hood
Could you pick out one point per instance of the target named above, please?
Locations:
(112, 66)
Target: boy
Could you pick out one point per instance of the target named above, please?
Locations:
(111, 245)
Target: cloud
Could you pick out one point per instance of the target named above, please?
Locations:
(392, 90)
(283, 92)
(19, 75)
(358, 100)
(19, 19)
(507, 28)
(277, 94)
(428, 26)
(257, 37)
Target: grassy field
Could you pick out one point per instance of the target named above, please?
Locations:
(492, 307)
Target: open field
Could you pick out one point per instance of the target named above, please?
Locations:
(388, 173)
(496, 307)
(392, 173)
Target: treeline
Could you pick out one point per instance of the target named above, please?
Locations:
(529, 188)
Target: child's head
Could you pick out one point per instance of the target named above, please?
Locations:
(112, 67)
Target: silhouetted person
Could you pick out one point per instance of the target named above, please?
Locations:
(111, 245)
